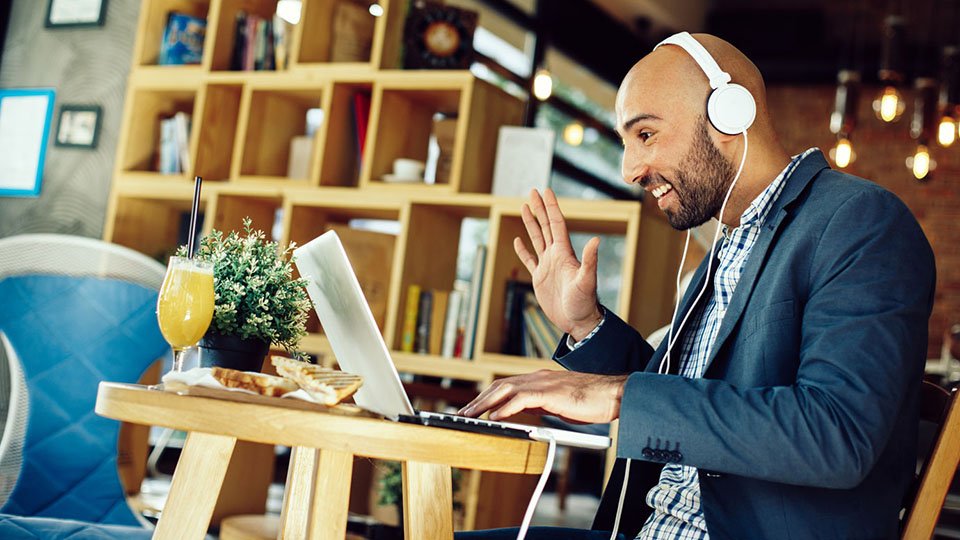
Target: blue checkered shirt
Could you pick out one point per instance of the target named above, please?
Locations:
(675, 500)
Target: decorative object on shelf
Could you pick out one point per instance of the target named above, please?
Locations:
(25, 116)
(174, 155)
(524, 160)
(436, 36)
(406, 170)
(353, 26)
(78, 126)
(182, 40)
(258, 302)
(74, 13)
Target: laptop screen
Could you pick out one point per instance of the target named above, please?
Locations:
(349, 325)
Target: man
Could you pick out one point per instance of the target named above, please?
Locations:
(790, 406)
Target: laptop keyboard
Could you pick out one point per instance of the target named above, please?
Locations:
(464, 423)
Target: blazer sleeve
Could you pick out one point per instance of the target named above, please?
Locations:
(863, 343)
(616, 349)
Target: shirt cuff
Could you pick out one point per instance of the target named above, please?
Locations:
(574, 345)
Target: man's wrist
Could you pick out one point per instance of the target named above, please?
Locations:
(579, 332)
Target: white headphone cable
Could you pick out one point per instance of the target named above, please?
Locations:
(671, 335)
(547, 467)
(623, 494)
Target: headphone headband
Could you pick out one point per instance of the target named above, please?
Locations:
(684, 40)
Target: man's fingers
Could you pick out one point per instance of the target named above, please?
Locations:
(528, 260)
(516, 405)
(540, 211)
(588, 263)
(558, 225)
(533, 229)
(490, 398)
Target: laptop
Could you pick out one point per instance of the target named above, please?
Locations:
(359, 347)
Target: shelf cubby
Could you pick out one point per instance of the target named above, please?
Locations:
(430, 243)
(153, 23)
(341, 164)
(402, 119)
(222, 37)
(271, 116)
(146, 106)
(342, 32)
(230, 206)
(605, 219)
(153, 226)
(219, 107)
(372, 253)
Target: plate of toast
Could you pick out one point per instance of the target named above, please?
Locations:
(297, 380)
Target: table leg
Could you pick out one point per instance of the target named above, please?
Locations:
(296, 496)
(196, 486)
(427, 501)
(331, 495)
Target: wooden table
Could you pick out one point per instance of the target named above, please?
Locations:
(318, 483)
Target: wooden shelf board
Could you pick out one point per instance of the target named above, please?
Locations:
(504, 364)
(180, 78)
(158, 186)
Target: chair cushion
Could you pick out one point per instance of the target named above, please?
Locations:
(71, 333)
(34, 528)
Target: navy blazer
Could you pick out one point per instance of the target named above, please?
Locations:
(804, 424)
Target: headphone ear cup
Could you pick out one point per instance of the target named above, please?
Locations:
(731, 109)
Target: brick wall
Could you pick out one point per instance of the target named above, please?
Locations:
(802, 117)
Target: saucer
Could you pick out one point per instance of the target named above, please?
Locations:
(392, 178)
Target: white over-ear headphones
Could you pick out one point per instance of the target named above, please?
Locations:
(730, 107)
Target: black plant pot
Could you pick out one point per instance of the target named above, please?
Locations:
(232, 352)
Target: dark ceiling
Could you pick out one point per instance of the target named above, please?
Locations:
(791, 41)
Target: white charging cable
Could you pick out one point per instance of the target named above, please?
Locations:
(532, 505)
(671, 335)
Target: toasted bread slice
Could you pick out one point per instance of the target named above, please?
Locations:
(261, 383)
(327, 386)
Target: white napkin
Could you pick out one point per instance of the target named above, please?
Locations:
(200, 376)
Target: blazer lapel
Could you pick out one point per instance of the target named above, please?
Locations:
(805, 172)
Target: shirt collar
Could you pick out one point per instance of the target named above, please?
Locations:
(761, 205)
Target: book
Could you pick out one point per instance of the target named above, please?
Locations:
(452, 317)
(424, 318)
(298, 162)
(181, 122)
(182, 41)
(438, 320)
(513, 305)
(169, 162)
(239, 51)
(410, 319)
(473, 304)
(361, 118)
(281, 47)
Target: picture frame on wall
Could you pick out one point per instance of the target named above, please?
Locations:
(25, 118)
(78, 126)
(75, 13)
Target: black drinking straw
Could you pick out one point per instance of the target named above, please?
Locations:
(193, 216)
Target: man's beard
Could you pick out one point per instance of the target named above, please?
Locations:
(701, 182)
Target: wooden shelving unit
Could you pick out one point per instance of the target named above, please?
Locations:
(242, 125)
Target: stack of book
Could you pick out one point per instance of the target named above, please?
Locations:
(174, 144)
(527, 330)
(260, 44)
(444, 323)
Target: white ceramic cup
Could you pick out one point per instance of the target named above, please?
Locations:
(408, 169)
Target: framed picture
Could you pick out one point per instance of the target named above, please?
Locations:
(25, 118)
(73, 13)
(79, 126)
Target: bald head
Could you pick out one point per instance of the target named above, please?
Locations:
(671, 78)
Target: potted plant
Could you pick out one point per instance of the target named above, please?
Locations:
(258, 302)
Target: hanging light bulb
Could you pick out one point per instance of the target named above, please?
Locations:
(889, 105)
(947, 131)
(542, 84)
(921, 163)
(842, 154)
(573, 134)
(376, 10)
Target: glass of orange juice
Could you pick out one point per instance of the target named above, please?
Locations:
(185, 305)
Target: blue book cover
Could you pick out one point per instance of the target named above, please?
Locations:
(182, 40)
